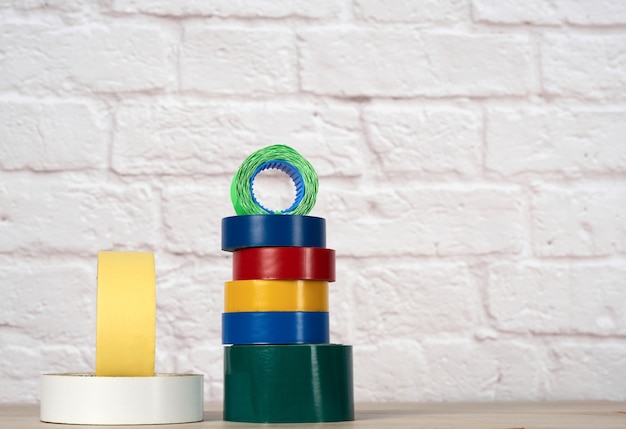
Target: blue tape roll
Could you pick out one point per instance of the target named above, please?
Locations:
(273, 327)
(240, 232)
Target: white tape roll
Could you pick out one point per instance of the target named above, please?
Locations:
(87, 399)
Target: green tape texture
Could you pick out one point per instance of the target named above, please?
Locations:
(302, 383)
(241, 195)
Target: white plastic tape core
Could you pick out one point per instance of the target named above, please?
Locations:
(87, 399)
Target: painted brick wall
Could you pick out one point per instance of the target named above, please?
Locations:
(472, 156)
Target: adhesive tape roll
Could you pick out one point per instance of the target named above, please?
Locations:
(305, 383)
(240, 232)
(275, 295)
(87, 399)
(289, 327)
(284, 263)
(126, 314)
(283, 158)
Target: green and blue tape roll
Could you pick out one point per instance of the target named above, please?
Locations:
(279, 157)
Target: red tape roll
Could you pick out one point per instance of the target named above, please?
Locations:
(284, 263)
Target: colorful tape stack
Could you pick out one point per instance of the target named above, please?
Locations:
(279, 366)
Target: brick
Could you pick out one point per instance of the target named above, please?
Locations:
(426, 11)
(238, 61)
(49, 137)
(36, 303)
(546, 12)
(582, 221)
(598, 12)
(20, 381)
(424, 221)
(227, 9)
(72, 6)
(43, 215)
(416, 139)
(413, 306)
(360, 62)
(584, 65)
(480, 64)
(186, 137)
(520, 369)
(189, 288)
(196, 229)
(558, 298)
(390, 370)
(472, 371)
(514, 12)
(86, 58)
(536, 139)
(341, 301)
(599, 367)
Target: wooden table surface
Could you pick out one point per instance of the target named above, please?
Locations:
(487, 415)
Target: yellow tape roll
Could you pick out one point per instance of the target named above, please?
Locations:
(126, 317)
(275, 295)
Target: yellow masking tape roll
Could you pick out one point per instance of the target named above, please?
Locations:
(126, 316)
(275, 295)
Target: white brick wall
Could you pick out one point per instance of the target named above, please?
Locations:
(472, 157)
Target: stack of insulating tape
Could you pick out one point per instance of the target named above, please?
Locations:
(124, 390)
(279, 365)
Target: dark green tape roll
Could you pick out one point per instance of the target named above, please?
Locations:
(300, 383)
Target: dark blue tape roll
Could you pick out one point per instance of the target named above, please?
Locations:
(240, 232)
(273, 327)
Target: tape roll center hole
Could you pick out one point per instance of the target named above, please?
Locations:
(274, 189)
